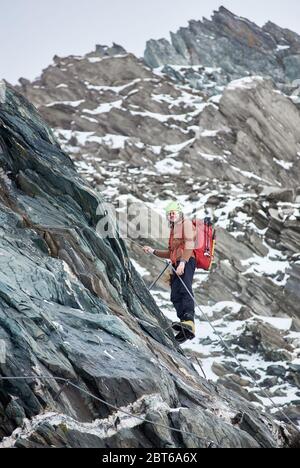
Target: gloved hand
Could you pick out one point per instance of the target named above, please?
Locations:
(180, 269)
(148, 250)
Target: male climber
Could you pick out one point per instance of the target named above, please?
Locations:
(181, 254)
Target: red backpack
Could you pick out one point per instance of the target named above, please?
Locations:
(205, 243)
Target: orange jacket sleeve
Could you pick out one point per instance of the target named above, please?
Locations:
(162, 253)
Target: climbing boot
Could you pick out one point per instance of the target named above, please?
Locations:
(186, 330)
(181, 337)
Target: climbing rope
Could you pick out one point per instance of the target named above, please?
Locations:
(69, 383)
(274, 405)
(169, 264)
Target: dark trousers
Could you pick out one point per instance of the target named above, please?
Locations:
(180, 298)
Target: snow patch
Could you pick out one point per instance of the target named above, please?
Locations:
(245, 83)
(109, 355)
(66, 103)
(216, 99)
(286, 165)
(279, 323)
(114, 89)
(249, 175)
(114, 141)
(142, 271)
(169, 166)
(58, 326)
(272, 266)
(104, 107)
(209, 133)
(213, 157)
(283, 47)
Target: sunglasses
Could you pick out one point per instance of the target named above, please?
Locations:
(172, 213)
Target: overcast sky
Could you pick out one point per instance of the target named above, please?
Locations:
(33, 31)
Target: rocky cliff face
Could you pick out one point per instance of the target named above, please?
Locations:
(138, 136)
(231, 47)
(230, 149)
(73, 306)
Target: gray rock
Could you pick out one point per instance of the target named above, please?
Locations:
(293, 375)
(248, 425)
(234, 45)
(221, 369)
(235, 385)
(115, 118)
(266, 339)
(62, 432)
(276, 370)
(281, 195)
(73, 306)
(270, 381)
(293, 413)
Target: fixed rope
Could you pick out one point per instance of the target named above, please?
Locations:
(212, 326)
(68, 382)
(274, 405)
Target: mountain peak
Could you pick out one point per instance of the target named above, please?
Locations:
(224, 11)
(236, 45)
(115, 49)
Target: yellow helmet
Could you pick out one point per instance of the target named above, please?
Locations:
(173, 206)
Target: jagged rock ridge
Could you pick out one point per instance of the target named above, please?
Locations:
(232, 44)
